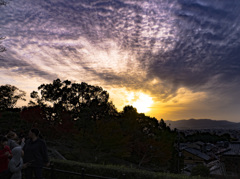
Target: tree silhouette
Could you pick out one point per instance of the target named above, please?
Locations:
(70, 96)
(9, 95)
(84, 102)
(149, 142)
(2, 49)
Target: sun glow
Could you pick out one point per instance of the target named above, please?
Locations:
(141, 101)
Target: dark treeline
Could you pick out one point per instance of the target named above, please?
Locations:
(86, 126)
(205, 137)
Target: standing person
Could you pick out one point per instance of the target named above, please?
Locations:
(16, 165)
(5, 154)
(35, 152)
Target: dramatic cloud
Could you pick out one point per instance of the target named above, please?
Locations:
(160, 47)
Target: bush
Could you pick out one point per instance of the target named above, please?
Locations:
(200, 170)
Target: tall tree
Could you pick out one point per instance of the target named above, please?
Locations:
(9, 95)
(70, 96)
(150, 140)
(2, 48)
(75, 98)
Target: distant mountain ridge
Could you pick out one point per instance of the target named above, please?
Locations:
(202, 124)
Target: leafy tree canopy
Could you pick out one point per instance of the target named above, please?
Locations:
(9, 95)
(70, 95)
(74, 97)
(151, 141)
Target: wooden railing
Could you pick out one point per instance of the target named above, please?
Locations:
(82, 175)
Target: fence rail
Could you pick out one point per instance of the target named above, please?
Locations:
(53, 171)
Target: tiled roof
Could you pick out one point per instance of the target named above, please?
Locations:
(197, 153)
(234, 149)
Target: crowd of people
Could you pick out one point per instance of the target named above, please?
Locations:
(18, 155)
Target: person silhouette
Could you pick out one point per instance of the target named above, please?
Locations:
(35, 153)
(16, 165)
(5, 155)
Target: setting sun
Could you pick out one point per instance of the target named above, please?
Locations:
(141, 101)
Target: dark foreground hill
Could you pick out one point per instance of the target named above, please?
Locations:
(202, 124)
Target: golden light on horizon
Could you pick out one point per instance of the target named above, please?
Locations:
(185, 103)
(142, 102)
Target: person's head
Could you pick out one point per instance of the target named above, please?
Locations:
(11, 135)
(3, 141)
(33, 133)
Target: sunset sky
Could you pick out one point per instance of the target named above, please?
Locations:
(175, 59)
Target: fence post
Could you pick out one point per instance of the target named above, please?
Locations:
(83, 173)
(52, 170)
